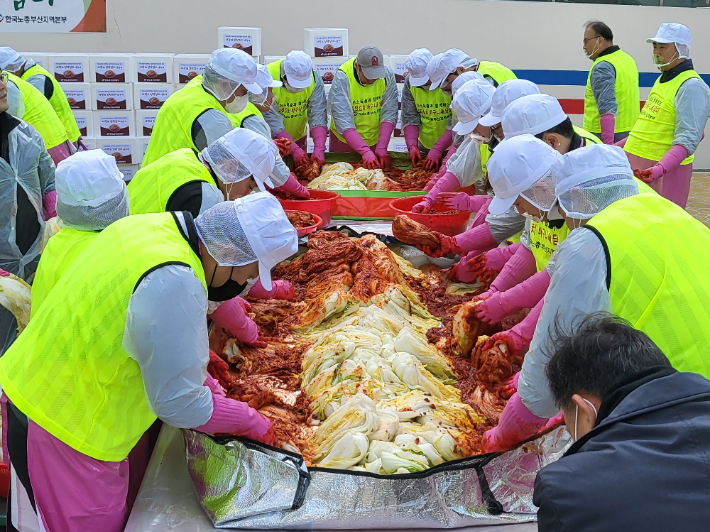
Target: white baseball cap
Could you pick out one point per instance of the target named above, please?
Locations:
(264, 78)
(298, 69)
(10, 60)
(237, 66)
(671, 32)
(464, 78)
(471, 102)
(444, 64)
(532, 114)
(88, 179)
(241, 153)
(416, 64)
(506, 93)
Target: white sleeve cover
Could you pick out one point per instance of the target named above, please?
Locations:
(390, 99)
(465, 164)
(340, 104)
(211, 196)
(258, 125)
(692, 104)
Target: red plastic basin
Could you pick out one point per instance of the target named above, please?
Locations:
(303, 231)
(322, 203)
(449, 224)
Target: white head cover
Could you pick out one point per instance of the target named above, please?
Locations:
(10, 60)
(298, 69)
(506, 93)
(416, 64)
(241, 153)
(589, 179)
(471, 102)
(671, 32)
(532, 114)
(444, 64)
(265, 80)
(464, 78)
(226, 70)
(515, 166)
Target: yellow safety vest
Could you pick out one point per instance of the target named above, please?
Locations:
(60, 253)
(657, 275)
(293, 107)
(485, 155)
(653, 133)
(498, 72)
(58, 101)
(39, 113)
(250, 110)
(544, 240)
(68, 371)
(151, 187)
(434, 112)
(590, 138)
(366, 101)
(626, 90)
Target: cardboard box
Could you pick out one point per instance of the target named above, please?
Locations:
(142, 143)
(128, 171)
(114, 124)
(400, 88)
(397, 144)
(398, 66)
(326, 42)
(89, 142)
(246, 39)
(112, 97)
(125, 150)
(327, 67)
(152, 68)
(145, 120)
(38, 57)
(70, 68)
(268, 59)
(151, 95)
(110, 68)
(188, 66)
(84, 120)
(78, 95)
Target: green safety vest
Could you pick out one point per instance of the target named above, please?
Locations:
(39, 113)
(544, 240)
(68, 371)
(657, 275)
(498, 72)
(153, 185)
(434, 112)
(653, 133)
(626, 90)
(249, 110)
(366, 101)
(58, 101)
(293, 107)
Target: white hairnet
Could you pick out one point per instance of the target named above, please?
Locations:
(472, 101)
(224, 237)
(507, 93)
(441, 65)
(464, 78)
(416, 64)
(241, 153)
(542, 193)
(226, 70)
(10, 60)
(672, 32)
(264, 78)
(532, 114)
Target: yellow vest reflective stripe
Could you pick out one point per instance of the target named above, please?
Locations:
(293, 107)
(250, 110)
(485, 155)
(59, 254)
(652, 135)
(39, 114)
(68, 371)
(626, 90)
(544, 240)
(58, 101)
(657, 260)
(366, 101)
(590, 138)
(496, 71)
(151, 187)
(434, 112)
(173, 125)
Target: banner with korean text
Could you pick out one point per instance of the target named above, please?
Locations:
(52, 16)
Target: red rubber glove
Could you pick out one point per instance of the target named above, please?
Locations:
(448, 246)
(280, 289)
(319, 135)
(516, 424)
(511, 386)
(492, 260)
(292, 186)
(463, 202)
(232, 317)
(519, 336)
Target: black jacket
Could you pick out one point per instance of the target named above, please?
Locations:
(645, 467)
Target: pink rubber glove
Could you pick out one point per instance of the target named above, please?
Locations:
(479, 238)
(231, 316)
(214, 386)
(492, 261)
(411, 138)
(49, 205)
(460, 271)
(447, 246)
(519, 336)
(59, 152)
(516, 424)
(525, 295)
(383, 158)
(622, 142)
(480, 217)
(607, 123)
(434, 178)
(447, 183)
(292, 186)
(511, 386)
(451, 151)
(280, 289)
(670, 161)
(521, 266)
(296, 151)
(235, 417)
(319, 135)
(434, 156)
(354, 140)
(463, 202)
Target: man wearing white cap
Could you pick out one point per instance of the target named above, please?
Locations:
(640, 256)
(299, 103)
(363, 108)
(662, 143)
(444, 68)
(121, 341)
(425, 113)
(201, 112)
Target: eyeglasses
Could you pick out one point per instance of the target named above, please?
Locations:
(4, 77)
(585, 41)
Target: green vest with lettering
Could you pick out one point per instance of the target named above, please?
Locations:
(434, 111)
(496, 71)
(293, 106)
(544, 239)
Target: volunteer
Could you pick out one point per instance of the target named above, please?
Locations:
(363, 104)
(299, 103)
(662, 143)
(425, 113)
(444, 68)
(200, 113)
(30, 105)
(45, 83)
(611, 100)
(120, 341)
(91, 195)
(618, 233)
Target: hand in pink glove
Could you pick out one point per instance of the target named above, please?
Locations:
(231, 316)
(511, 386)
(650, 174)
(463, 202)
(49, 205)
(432, 160)
(292, 186)
(369, 160)
(447, 246)
(460, 271)
(516, 425)
(280, 289)
(236, 417)
(319, 134)
(430, 184)
(385, 133)
(425, 205)
(383, 160)
(300, 157)
(214, 386)
(607, 122)
(519, 336)
(415, 155)
(493, 260)
(493, 309)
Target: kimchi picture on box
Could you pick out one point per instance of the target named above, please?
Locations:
(112, 97)
(246, 39)
(40, 58)
(78, 95)
(125, 150)
(145, 120)
(151, 95)
(152, 68)
(114, 124)
(327, 67)
(188, 66)
(69, 68)
(85, 123)
(326, 42)
(398, 65)
(110, 68)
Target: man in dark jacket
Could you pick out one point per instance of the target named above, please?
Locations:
(641, 459)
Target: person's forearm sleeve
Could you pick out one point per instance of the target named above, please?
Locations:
(390, 100)
(274, 119)
(410, 115)
(516, 270)
(603, 83)
(528, 293)
(339, 103)
(411, 136)
(692, 104)
(213, 124)
(317, 107)
(211, 196)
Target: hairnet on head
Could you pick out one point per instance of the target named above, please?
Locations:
(10, 60)
(532, 114)
(472, 101)
(241, 153)
(464, 78)
(506, 93)
(444, 64)
(672, 32)
(298, 69)
(91, 193)
(416, 64)
(226, 70)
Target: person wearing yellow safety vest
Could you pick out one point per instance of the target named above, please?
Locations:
(200, 113)
(45, 83)
(363, 108)
(663, 141)
(298, 104)
(615, 233)
(121, 341)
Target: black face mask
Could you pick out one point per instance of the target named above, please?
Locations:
(227, 291)
(493, 143)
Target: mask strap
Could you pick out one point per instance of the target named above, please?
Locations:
(576, 413)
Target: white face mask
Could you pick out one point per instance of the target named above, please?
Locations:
(594, 50)
(658, 60)
(259, 99)
(576, 412)
(536, 219)
(291, 89)
(237, 105)
(478, 138)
